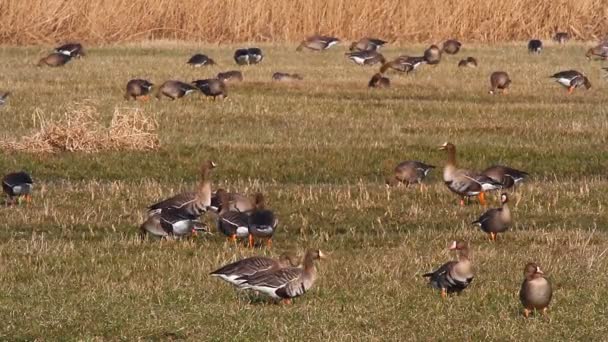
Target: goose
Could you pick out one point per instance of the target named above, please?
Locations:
(250, 266)
(236, 202)
(508, 177)
(536, 291)
(561, 37)
(286, 77)
(175, 89)
(469, 62)
(571, 79)
(248, 56)
(212, 87)
(233, 224)
(4, 97)
(199, 60)
(451, 46)
(453, 276)
(432, 55)
(499, 80)
(318, 43)
(496, 220)
(171, 222)
(193, 203)
(535, 46)
(405, 64)
(600, 51)
(286, 283)
(379, 81)
(138, 88)
(411, 172)
(368, 57)
(54, 60)
(230, 76)
(367, 44)
(17, 185)
(71, 50)
(463, 182)
(262, 222)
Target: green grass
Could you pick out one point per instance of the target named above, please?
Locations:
(71, 266)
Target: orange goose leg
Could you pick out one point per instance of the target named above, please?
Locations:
(482, 198)
(444, 293)
(251, 242)
(286, 301)
(269, 243)
(232, 238)
(493, 237)
(570, 90)
(526, 313)
(462, 202)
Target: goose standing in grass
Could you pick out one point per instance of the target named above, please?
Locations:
(175, 89)
(405, 64)
(571, 79)
(286, 77)
(4, 97)
(535, 46)
(235, 201)
(212, 87)
(262, 222)
(432, 55)
(469, 62)
(379, 81)
(561, 37)
(451, 46)
(508, 177)
(410, 172)
(17, 185)
(368, 57)
(499, 80)
(250, 266)
(463, 182)
(453, 276)
(286, 283)
(171, 223)
(230, 76)
(600, 51)
(536, 292)
(367, 44)
(233, 224)
(54, 60)
(318, 43)
(248, 56)
(199, 60)
(74, 50)
(496, 220)
(138, 89)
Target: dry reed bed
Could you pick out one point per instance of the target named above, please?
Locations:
(37, 21)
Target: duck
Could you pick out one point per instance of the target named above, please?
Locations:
(248, 56)
(233, 224)
(236, 202)
(451, 46)
(74, 50)
(496, 220)
(535, 46)
(199, 60)
(432, 55)
(285, 283)
(213, 87)
(17, 185)
(469, 62)
(171, 223)
(230, 76)
(465, 183)
(193, 203)
(262, 222)
(499, 80)
(4, 97)
(175, 89)
(508, 177)
(318, 43)
(367, 57)
(561, 37)
(54, 60)
(286, 77)
(453, 276)
(405, 64)
(600, 51)
(571, 79)
(234, 273)
(367, 44)
(138, 89)
(411, 172)
(379, 81)
(536, 292)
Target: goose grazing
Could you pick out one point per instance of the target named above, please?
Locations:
(254, 265)
(451, 46)
(411, 172)
(286, 77)
(248, 56)
(17, 185)
(368, 57)
(233, 224)
(236, 202)
(571, 79)
(4, 97)
(508, 177)
(379, 81)
(535, 46)
(199, 60)
(171, 223)
(600, 51)
(285, 283)
(496, 220)
(230, 76)
(499, 80)
(405, 64)
(453, 276)
(175, 89)
(561, 37)
(193, 203)
(262, 222)
(367, 44)
(432, 55)
(212, 87)
(536, 292)
(74, 50)
(463, 182)
(54, 60)
(138, 89)
(318, 43)
(469, 62)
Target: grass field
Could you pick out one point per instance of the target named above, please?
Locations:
(71, 266)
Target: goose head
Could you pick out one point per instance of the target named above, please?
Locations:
(533, 271)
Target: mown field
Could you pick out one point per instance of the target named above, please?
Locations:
(71, 266)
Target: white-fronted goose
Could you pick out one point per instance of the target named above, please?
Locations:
(367, 44)
(536, 291)
(465, 183)
(469, 62)
(600, 51)
(286, 283)
(71, 49)
(561, 37)
(571, 79)
(248, 56)
(250, 266)
(286, 77)
(318, 43)
(405, 64)
(451, 46)
(496, 220)
(4, 97)
(213, 87)
(411, 172)
(508, 177)
(368, 57)
(379, 81)
(17, 185)
(237, 202)
(432, 55)
(499, 80)
(138, 89)
(262, 222)
(193, 203)
(230, 76)
(453, 276)
(54, 60)
(175, 89)
(535, 46)
(171, 223)
(199, 60)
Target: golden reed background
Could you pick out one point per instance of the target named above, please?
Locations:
(109, 21)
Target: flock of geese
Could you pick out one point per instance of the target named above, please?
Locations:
(241, 218)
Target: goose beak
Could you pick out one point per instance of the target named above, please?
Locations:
(444, 146)
(322, 255)
(452, 246)
(539, 271)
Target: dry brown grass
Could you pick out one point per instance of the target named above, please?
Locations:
(38, 21)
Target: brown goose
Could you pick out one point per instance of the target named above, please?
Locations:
(262, 222)
(367, 44)
(405, 64)
(453, 276)
(230, 76)
(138, 89)
(561, 37)
(507, 176)
(499, 80)
(193, 203)
(368, 57)
(285, 283)
(237, 202)
(432, 55)
(469, 62)
(463, 182)
(572, 79)
(175, 89)
(54, 60)
(318, 43)
(496, 220)
(286, 77)
(411, 172)
(212, 87)
(600, 51)
(536, 291)
(379, 81)
(71, 49)
(451, 46)
(253, 265)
